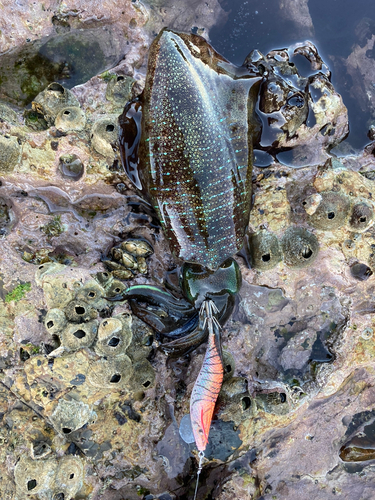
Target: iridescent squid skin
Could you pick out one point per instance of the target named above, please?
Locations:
(186, 144)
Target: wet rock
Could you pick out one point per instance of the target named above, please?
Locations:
(8, 115)
(298, 13)
(71, 167)
(297, 353)
(10, 151)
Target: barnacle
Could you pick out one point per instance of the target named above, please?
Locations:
(234, 402)
(142, 339)
(55, 321)
(114, 288)
(114, 335)
(361, 217)
(52, 100)
(111, 373)
(92, 293)
(75, 336)
(264, 248)
(229, 365)
(55, 478)
(300, 247)
(70, 119)
(274, 402)
(79, 311)
(70, 415)
(143, 376)
(69, 477)
(332, 211)
(34, 476)
(119, 89)
(104, 133)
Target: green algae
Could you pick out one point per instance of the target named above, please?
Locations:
(18, 293)
(54, 227)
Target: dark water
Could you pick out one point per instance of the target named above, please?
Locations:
(70, 58)
(337, 26)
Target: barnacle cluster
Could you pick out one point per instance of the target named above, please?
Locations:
(83, 320)
(49, 478)
(298, 248)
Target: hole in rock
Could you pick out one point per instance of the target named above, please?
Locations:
(362, 219)
(79, 334)
(120, 78)
(147, 383)
(56, 87)
(71, 476)
(266, 257)
(360, 271)
(115, 378)
(282, 397)
(80, 310)
(113, 342)
(50, 324)
(228, 368)
(117, 290)
(67, 112)
(246, 403)
(31, 484)
(66, 430)
(331, 215)
(91, 294)
(110, 128)
(148, 340)
(59, 496)
(306, 253)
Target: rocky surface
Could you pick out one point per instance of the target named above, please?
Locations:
(89, 406)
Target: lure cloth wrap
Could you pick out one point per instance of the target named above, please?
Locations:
(205, 392)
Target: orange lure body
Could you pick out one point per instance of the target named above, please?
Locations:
(205, 391)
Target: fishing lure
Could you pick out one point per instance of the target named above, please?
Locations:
(186, 144)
